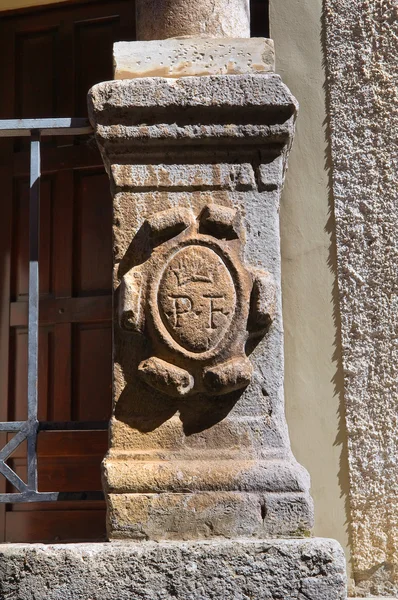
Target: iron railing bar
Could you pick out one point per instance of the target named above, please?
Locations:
(33, 297)
(24, 127)
(12, 426)
(13, 478)
(30, 496)
(12, 445)
(33, 304)
(35, 128)
(74, 426)
(32, 460)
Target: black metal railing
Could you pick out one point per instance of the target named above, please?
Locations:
(28, 430)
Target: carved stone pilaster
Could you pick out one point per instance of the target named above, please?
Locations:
(199, 446)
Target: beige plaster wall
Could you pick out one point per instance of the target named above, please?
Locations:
(313, 381)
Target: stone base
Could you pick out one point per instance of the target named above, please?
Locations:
(208, 515)
(299, 569)
(193, 57)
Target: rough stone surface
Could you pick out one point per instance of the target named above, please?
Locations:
(195, 176)
(199, 442)
(215, 110)
(161, 19)
(362, 71)
(239, 570)
(185, 57)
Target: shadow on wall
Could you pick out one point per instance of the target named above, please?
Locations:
(338, 379)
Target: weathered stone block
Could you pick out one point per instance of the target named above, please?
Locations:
(310, 569)
(193, 56)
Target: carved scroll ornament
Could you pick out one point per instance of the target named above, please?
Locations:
(197, 302)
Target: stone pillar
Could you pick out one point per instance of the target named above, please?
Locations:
(161, 19)
(199, 448)
(199, 443)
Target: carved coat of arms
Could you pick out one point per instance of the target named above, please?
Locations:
(197, 302)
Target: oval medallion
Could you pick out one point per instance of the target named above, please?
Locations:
(197, 298)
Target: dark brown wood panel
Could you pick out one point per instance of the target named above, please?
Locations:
(92, 372)
(18, 384)
(65, 444)
(68, 443)
(50, 57)
(64, 310)
(63, 473)
(92, 268)
(56, 525)
(20, 245)
(99, 35)
(36, 65)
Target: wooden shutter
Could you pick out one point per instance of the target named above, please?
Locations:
(49, 58)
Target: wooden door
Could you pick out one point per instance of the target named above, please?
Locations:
(49, 58)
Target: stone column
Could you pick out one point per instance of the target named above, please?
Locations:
(161, 19)
(199, 448)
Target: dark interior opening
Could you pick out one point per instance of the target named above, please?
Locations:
(259, 20)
